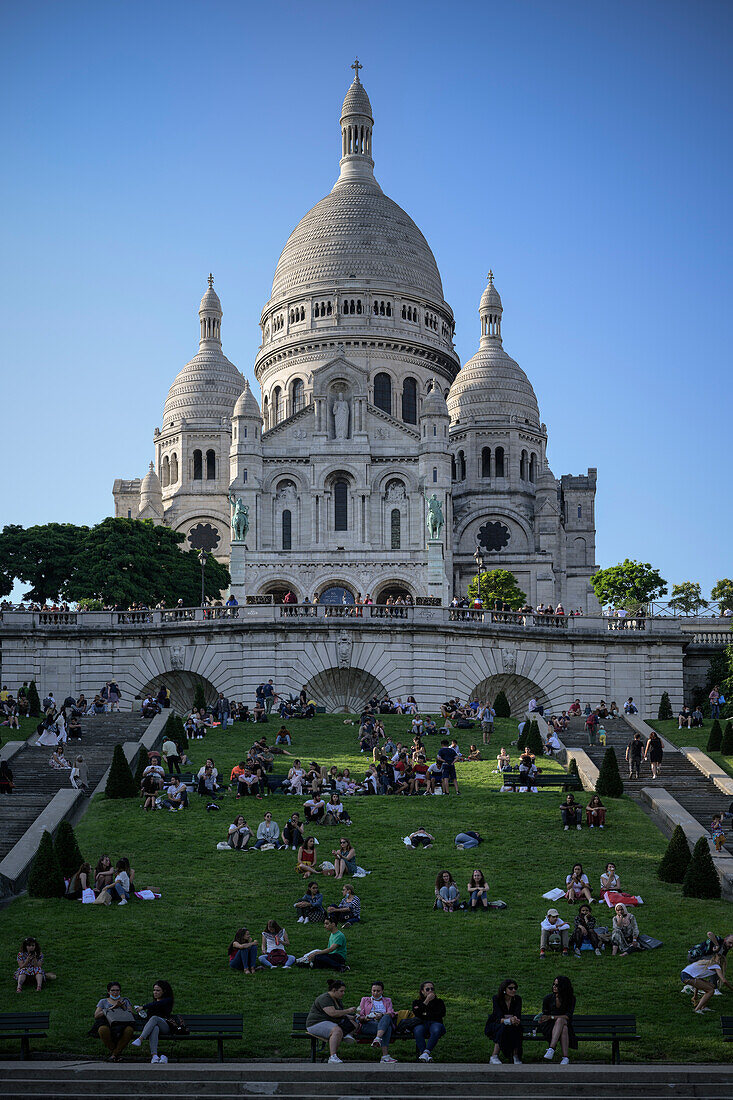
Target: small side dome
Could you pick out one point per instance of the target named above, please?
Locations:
(150, 483)
(151, 495)
(434, 403)
(246, 404)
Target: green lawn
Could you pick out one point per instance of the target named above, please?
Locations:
(27, 727)
(402, 940)
(694, 738)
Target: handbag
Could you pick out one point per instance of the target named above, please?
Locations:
(277, 956)
(177, 1025)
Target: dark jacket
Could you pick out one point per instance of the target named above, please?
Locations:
(549, 1008)
(499, 1010)
(427, 1013)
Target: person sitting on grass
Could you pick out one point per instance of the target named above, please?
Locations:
(296, 778)
(702, 977)
(268, 832)
(310, 906)
(446, 892)
(556, 1019)
(115, 1021)
(377, 1018)
(305, 863)
(570, 812)
(553, 930)
(503, 761)
(149, 792)
(610, 880)
(577, 885)
(239, 835)
(176, 797)
(248, 783)
(243, 952)
(504, 1025)
(207, 784)
(349, 909)
(80, 881)
(334, 955)
(421, 838)
(314, 809)
(293, 831)
(595, 813)
(158, 1013)
(429, 1011)
(625, 932)
(528, 770)
(585, 929)
(473, 754)
(405, 780)
(274, 944)
(478, 890)
(30, 965)
(120, 887)
(104, 873)
(329, 1020)
(336, 814)
(344, 862)
(283, 737)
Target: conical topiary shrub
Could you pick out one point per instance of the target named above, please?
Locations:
(665, 708)
(573, 768)
(34, 703)
(676, 859)
(701, 879)
(179, 734)
(715, 737)
(120, 781)
(533, 739)
(46, 879)
(609, 784)
(67, 850)
(142, 763)
(501, 706)
(199, 699)
(726, 745)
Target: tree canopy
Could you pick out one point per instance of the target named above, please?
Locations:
(630, 584)
(497, 584)
(722, 591)
(120, 562)
(687, 597)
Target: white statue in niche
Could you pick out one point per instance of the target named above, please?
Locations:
(341, 418)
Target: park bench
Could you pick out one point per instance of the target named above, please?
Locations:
(185, 777)
(566, 782)
(726, 1022)
(593, 1029)
(319, 1047)
(216, 1027)
(23, 1026)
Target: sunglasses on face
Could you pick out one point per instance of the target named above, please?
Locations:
(429, 988)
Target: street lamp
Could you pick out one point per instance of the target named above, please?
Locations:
(479, 559)
(203, 558)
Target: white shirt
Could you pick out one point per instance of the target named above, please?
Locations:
(202, 771)
(558, 926)
(702, 968)
(577, 886)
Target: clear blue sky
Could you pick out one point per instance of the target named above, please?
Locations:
(582, 150)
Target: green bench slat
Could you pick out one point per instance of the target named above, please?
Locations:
(726, 1023)
(23, 1026)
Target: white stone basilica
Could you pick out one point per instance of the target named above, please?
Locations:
(365, 413)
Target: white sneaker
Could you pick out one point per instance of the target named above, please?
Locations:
(387, 1058)
(334, 1060)
(123, 901)
(495, 1060)
(163, 1058)
(566, 828)
(564, 1061)
(300, 920)
(549, 1054)
(424, 1057)
(578, 827)
(717, 993)
(155, 1058)
(592, 826)
(136, 1043)
(517, 1060)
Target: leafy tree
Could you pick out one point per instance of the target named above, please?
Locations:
(715, 737)
(46, 879)
(42, 556)
(676, 858)
(687, 598)
(501, 706)
(722, 591)
(701, 879)
(34, 703)
(609, 784)
(631, 584)
(120, 781)
(199, 699)
(665, 707)
(726, 745)
(497, 584)
(123, 561)
(67, 849)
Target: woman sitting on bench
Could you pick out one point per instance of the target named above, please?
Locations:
(377, 1018)
(556, 1019)
(157, 1011)
(329, 1020)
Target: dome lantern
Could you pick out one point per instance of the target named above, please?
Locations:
(356, 132)
(210, 315)
(490, 310)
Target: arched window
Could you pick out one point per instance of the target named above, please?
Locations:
(165, 472)
(409, 401)
(523, 466)
(435, 474)
(461, 466)
(198, 471)
(174, 469)
(277, 405)
(266, 413)
(287, 527)
(298, 395)
(499, 462)
(395, 528)
(533, 468)
(210, 465)
(383, 392)
(486, 462)
(453, 471)
(341, 506)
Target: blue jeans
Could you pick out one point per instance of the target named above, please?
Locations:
(715, 710)
(380, 1029)
(245, 958)
(275, 840)
(466, 840)
(479, 896)
(154, 1027)
(120, 891)
(434, 1031)
(266, 962)
(447, 893)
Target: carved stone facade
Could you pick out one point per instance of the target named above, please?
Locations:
(364, 414)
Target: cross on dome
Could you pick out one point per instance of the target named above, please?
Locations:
(356, 66)
(211, 280)
(490, 277)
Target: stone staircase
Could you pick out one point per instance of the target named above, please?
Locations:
(257, 1080)
(36, 782)
(694, 792)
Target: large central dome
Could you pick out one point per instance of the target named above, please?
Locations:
(356, 231)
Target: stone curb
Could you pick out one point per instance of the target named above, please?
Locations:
(709, 768)
(16, 865)
(670, 814)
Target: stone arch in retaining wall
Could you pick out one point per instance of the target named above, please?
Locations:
(344, 690)
(518, 690)
(182, 686)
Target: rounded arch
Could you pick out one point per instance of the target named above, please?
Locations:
(486, 513)
(278, 589)
(284, 473)
(182, 686)
(518, 690)
(394, 473)
(393, 589)
(333, 592)
(344, 690)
